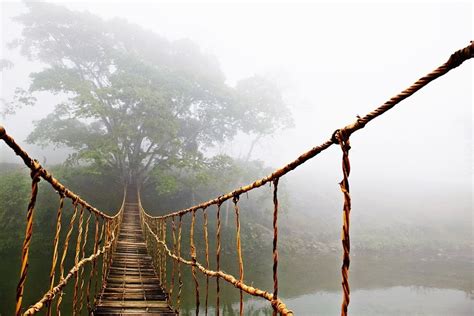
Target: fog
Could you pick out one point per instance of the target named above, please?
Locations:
(333, 61)
(411, 167)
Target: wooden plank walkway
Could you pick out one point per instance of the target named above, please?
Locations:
(132, 285)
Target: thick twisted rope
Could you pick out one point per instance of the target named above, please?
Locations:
(454, 61)
(218, 256)
(346, 244)
(239, 252)
(173, 269)
(35, 177)
(50, 295)
(76, 261)
(94, 263)
(34, 165)
(55, 248)
(206, 242)
(194, 259)
(275, 241)
(277, 303)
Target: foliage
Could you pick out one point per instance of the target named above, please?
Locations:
(14, 192)
(172, 188)
(134, 100)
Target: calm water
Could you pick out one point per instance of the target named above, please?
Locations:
(388, 287)
(398, 300)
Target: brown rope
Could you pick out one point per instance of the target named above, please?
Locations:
(180, 279)
(173, 269)
(164, 257)
(454, 61)
(275, 242)
(344, 184)
(35, 178)
(281, 307)
(63, 257)
(218, 257)
(206, 241)
(239, 252)
(35, 166)
(76, 260)
(83, 255)
(55, 248)
(158, 252)
(58, 288)
(193, 258)
(101, 238)
(94, 262)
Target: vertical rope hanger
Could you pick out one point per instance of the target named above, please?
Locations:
(218, 256)
(275, 243)
(343, 140)
(35, 178)
(173, 269)
(55, 249)
(76, 259)
(63, 257)
(94, 263)
(239, 252)
(180, 278)
(206, 241)
(194, 259)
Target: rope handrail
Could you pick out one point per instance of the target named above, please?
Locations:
(50, 295)
(35, 166)
(339, 136)
(277, 303)
(109, 229)
(455, 60)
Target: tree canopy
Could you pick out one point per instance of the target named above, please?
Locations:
(132, 99)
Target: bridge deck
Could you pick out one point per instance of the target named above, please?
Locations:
(132, 285)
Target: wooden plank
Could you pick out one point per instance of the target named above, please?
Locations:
(132, 286)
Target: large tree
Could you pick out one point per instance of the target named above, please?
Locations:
(132, 99)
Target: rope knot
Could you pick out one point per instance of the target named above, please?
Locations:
(458, 57)
(235, 199)
(35, 170)
(334, 137)
(342, 138)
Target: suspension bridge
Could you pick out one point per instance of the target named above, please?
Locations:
(127, 270)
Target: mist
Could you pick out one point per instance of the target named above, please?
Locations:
(412, 168)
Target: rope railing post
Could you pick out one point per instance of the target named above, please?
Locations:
(55, 249)
(193, 259)
(93, 268)
(76, 260)
(218, 256)
(63, 257)
(35, 178)
(343, 140)
(180, 278)
(158, 251)
(206, 242)
(101, 240)
(163, 234)
(83, 255)
(239, 252)
(275, 243)
(173, 269)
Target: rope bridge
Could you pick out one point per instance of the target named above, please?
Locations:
(110, 248)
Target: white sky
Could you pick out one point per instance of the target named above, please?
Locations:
(335, 60)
